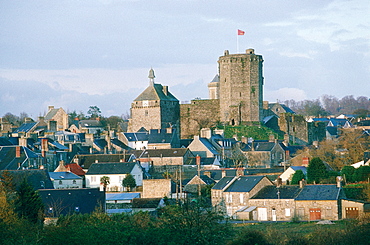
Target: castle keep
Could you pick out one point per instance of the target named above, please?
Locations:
(236, 95)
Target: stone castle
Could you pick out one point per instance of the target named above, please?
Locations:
(235, 98)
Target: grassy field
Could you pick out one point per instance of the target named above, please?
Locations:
(340, 232)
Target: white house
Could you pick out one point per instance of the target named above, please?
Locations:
(65, 180)
(288, 174)
(116, 172)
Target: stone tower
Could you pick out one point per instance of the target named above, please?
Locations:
(154, 108)
(240, 87)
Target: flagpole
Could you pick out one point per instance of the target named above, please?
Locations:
(237, 43)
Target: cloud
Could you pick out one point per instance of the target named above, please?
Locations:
(283, 94)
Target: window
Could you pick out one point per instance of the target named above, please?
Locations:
(146, 113)
(60, 182)
(74, 182)
(77, 209)
(241, 197)
(287, 212)
(93, 179)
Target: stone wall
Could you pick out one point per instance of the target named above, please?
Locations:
(156, 188)
(196, 115)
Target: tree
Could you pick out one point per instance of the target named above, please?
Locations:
(28, 204)
(297, 176)
(316, 171)
(104, 180)
(94, 112)
(348, 173)
(129, 182)
(362, 173)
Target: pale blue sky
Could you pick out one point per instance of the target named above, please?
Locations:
(74, 54)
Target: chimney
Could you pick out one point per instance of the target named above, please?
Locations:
(305, 161)
(244, 139)
(50, 107)
(279, 182)
(223, 173)
(165, 90)
(206, 133)
(302, 183)
(207, 173)
(271, 138)
(339, 180)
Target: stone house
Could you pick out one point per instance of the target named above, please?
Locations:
(90, 126)
(192, 185)
(116, 172)
(272, 203)
(203, 147)
(233, 193)
(316, 202)
(163, 159)
(265, 153)
(354, 209)
(57, 119)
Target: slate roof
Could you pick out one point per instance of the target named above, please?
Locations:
(63, 176)
(121, 196)
(119, 143)
(261, 146)
(160, 137)
(8, 160)
(173, 152)
(209, 145)
(207, 180)
(302, 168)
(86, 199)
(5, 142)
(90, 123)
(271, 192)
(146, 202)
(85, 161)
(25, 127)
(37, 178)
(111, 168)
(51, 113)
(319, 192)
(138, 136)
(244, 184)
(222, 183)
(155, 92)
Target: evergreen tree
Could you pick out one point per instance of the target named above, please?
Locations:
(316, 171)
(129, 182)
(28, 204)
(362, 173)
(348, 173)
(297, 176)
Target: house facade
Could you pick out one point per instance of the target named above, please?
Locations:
(116, 173)
(66, 180)
(233, 193)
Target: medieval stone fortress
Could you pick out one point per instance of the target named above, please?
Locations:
(176, 151)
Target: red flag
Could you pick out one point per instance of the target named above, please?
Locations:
(240, 32)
